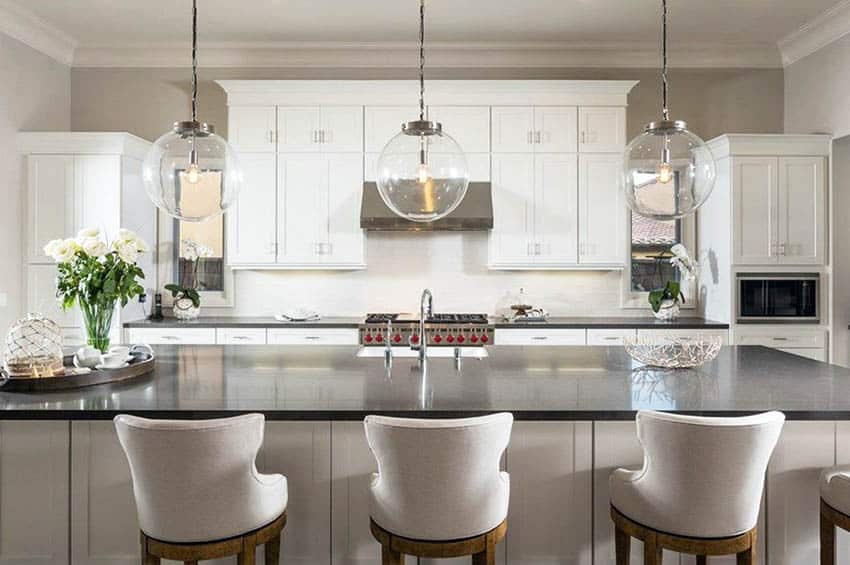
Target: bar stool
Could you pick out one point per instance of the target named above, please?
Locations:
(198, 493)
(699, 489)
(438, 491)
(834, 509)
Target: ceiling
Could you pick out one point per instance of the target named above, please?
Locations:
(97, 25)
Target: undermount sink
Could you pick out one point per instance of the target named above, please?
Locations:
(476, 352)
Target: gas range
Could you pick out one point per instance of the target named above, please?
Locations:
(441, 330)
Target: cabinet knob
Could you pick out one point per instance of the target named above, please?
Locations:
(530, 138)
(538, 136)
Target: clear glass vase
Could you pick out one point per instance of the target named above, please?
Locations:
(98, 320)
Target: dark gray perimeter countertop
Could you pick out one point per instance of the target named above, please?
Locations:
(535, 383)
(555, 322)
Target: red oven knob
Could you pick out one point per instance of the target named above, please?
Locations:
(484, 338)
(438, 338)
(414, 338)
(397, 338)
(379, 338)
(473, 338)
(460, 338)
(368, 338)
(450, 338)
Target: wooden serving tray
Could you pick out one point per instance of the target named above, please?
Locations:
(141, 365)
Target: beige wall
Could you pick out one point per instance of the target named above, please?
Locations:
(35, 94)
(146, 101)
(817, 91)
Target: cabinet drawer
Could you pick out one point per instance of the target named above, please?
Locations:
(227, 336)
(542, 336)
(312, 336)
(164, 336)
(609, 336)
(723, 334)
(815, 354)
(782, 339)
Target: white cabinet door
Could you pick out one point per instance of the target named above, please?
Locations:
(252, 128)
(755, 210)
(298, 129)
(698, 333)
(240, 336)
(35, 493)
(513, 129)
(172, 336)
(539, 336)
(513, 209)
(301, 193)
(251, 220)
(344, 184)
(313, 336)
(602, 129)
(801, 203)
(382, 123)
(555, 129)
(609, 336)
(602, 211)
(555, 208)
(468, 125)
(97, 179)
(342, 129)
(50, 202)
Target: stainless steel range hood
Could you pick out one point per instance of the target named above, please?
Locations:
(475, 212)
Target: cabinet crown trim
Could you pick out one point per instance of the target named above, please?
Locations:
(770, 145)
(82, 143)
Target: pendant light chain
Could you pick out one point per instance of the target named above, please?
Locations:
(194, 60)
(422, 60)
(664, 111)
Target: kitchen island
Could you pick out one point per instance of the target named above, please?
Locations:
(61, 464)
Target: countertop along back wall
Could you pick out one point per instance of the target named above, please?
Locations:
(146, 101)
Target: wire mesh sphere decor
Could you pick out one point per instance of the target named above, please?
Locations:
(673, 352)
(33, 348)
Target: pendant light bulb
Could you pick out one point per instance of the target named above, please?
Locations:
(191, 173)
(668, 171)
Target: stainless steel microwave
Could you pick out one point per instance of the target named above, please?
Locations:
(778, 298)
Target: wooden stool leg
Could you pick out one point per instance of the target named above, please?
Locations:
(827, 539)
(652, 552)
(248, 555)
(272, 551)
(390, 557)
(748, 557)
(488, 556)
(190, 563)
(702, 560)
(622, 546)
(147, 559)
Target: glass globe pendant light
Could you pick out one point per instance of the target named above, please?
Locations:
(668, 171)
(422, 172)
(191, 173)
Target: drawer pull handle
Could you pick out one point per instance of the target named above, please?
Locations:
(313, 337)
(241, 337)
(611, 338)
(780, 339)
(540, 337)
(171, 337)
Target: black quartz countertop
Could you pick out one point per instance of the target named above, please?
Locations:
(555, 322)
(535, 383)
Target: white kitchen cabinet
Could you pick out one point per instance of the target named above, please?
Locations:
(50, 203)
(382, 123)
(555, 209)
(512, 236)
(530, 129)
(252, 219)
(806, 342)
(779, 210)
(602, 129)
(813, 354)
(478, 163)
(468, 125)
(609, 336)
(313, 336)
(684, 333)
(34, 492)
(252, 129)
(172, 336)
(602, 210)
(319, 210)
(240, 336)
(314, 129)
(540, 336)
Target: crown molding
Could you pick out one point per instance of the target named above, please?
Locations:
(816, 33)
(24, 26)
(440, 55)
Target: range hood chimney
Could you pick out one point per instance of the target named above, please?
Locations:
(475, 212)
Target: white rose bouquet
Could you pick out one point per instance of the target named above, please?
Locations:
(96, 274)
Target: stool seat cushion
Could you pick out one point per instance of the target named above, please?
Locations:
(701, 477)
(196, 480)
(835, 488)
(439, 480)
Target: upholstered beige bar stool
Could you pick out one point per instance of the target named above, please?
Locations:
(438, 491)
(198, 493)
(699, 489)
(834, 509)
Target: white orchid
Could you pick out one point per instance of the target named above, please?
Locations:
(682, 260)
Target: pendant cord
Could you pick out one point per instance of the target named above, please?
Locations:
(194, 60)
(664, 84)
(422, 60)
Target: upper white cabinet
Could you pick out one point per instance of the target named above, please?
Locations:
(512, 237)
(252, 128)
(529, 129)
(251, 220)
(555, 209)
(50, 202)
(468, 125)
(602, 129)
(602, 210)
(382, 123)
(313, 129)
(778, 209)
